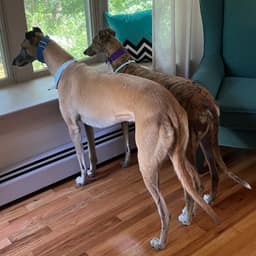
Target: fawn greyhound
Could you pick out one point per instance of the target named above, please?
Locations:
(94, 98)
(202, 111)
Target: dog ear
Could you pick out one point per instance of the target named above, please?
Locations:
(104, 34)
(111, 31)
(37, 31)
(34, 36)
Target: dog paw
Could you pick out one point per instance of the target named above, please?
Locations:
(124, 164)
(155, 243)
(90, 173)
(184, 218)
(80, 181)
(207, 198)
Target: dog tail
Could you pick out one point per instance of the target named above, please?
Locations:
(231, 175)
(217, 155)
(238, 180)
(184, 170)
(213, 115)
(181, 167)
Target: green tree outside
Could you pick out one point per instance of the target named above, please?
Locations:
(2, 69)
(65, 22)
(128, 6)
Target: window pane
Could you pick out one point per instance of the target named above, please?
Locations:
(2, 64)
(128, 6)
(63, 20)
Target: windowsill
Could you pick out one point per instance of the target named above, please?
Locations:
(17, 97)
(22, 96)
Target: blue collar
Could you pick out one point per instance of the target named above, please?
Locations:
(44, 41)
(60, 70)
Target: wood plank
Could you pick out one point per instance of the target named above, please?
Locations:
(116, 216)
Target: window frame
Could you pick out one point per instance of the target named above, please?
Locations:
(5, 53)
(13, 32)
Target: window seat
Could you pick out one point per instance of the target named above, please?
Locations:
(36, 149)
(18, 97)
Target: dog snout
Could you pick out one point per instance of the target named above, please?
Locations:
(19, 61)
(89, 51)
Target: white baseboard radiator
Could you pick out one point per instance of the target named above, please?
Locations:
(56, 165)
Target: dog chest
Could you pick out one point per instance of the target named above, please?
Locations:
(101, 121)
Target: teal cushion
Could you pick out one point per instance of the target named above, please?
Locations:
(237, 138)
(239, 37)
(134, 31)
(236, 99)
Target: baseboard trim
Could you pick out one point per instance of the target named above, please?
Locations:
(27, 183)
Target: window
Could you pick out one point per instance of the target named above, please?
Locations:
(2, 62)
(128, 6)
(64, 21)
(70, 22)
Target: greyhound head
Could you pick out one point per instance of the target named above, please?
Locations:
(28, 52)
(101, 42)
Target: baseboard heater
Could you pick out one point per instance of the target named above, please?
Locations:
(56, 166)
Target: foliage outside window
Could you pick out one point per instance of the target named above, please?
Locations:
(2, 64)
(63, 20)
(68, 22)
(128, 6)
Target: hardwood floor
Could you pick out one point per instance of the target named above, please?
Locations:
(115, 216)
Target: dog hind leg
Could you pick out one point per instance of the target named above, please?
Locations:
(190, 206)
(127, 158)
(151, 152)
(207, 149)
(91, 150)
(75, 134)
(150, 176)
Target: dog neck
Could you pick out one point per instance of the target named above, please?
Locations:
(119, 59)
(115, 55)
(60, 70)
(40, 48)
(56, 58)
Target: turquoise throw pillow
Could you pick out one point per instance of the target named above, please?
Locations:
(135, 32)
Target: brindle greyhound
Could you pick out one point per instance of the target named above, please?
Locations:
(203, 113)
(94, 98)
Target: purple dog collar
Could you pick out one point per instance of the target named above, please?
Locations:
(116, 54)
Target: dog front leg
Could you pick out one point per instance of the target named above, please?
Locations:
(75, 135)
(91, 149)
(127, 158)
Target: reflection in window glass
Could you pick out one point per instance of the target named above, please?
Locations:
(128, 6)
(63, 20)
(2, 64)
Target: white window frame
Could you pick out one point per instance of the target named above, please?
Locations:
(13, 33)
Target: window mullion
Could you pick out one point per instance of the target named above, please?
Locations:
(14, 34)
(4, 52)
(97, 20)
